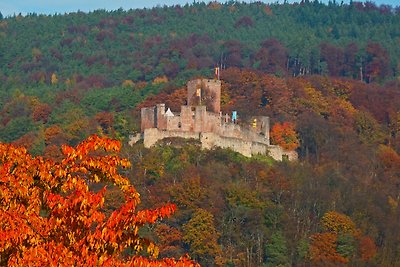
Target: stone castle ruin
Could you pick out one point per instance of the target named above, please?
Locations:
(202, 119)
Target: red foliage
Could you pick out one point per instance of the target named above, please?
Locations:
(378, 62)
(244, 22)
(272, 56)
(173, 100)
(41, 112)
(49, 216)
(26, 140)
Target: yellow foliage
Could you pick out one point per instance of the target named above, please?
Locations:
(36, 54)
(393, 203)
(128, 83)
(160, 79)
(338, 223)
(54, 79)
(316, 101)
(345, 105)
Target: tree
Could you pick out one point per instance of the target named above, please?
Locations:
(367, 248)
(54, 79)
(378, 62)
(323, 250)
(276, 251)
(201, 235)
(284, 134)
(272, 57)
(338, 223)
(340, 242)
(50, 216)
(367, 128)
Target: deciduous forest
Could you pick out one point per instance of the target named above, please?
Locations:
(327, 75)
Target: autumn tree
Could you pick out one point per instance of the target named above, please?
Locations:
(323, 250)
(284, 135)
(378, 62)
(169, 240)
(202, 237)
(272, 57)
(50, 216)
(340, 242)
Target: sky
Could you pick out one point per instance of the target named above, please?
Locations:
(10, 7)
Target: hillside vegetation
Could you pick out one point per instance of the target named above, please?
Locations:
(331, 70)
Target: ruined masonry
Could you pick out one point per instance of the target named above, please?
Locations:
(201, 119)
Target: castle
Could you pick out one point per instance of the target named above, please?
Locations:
(202, 119)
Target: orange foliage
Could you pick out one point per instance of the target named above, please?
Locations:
(54, 135)
(284, 135)
(214, 5)
(367, 248)
(389, 158)
(49, 216)
(268, 10)
(323, 249)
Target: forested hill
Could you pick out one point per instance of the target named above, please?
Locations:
(330, 72)
(309, 38)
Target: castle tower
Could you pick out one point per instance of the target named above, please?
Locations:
(204, 92)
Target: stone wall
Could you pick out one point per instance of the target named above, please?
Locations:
(147, 118)
(210, 140)
(174, 123)
(204, 92)
(151, 136)
(237, 131)
(187, 120)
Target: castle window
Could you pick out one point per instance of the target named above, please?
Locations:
(179, 125)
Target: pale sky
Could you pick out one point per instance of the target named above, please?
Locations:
(10, 7)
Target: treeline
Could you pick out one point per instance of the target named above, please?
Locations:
(356, 40)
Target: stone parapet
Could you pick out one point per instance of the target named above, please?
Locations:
(211, 140)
